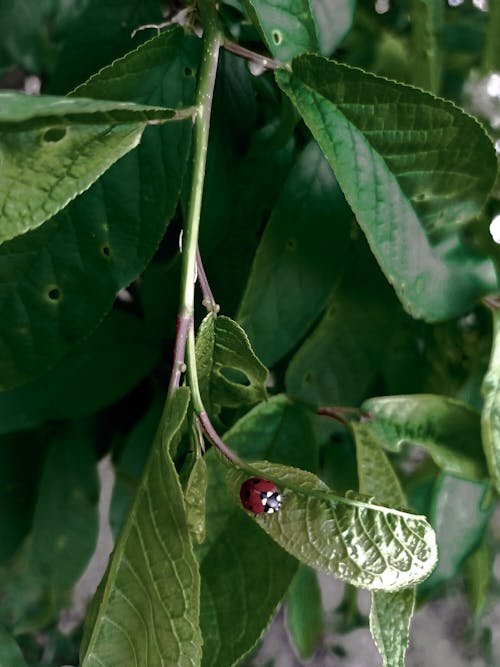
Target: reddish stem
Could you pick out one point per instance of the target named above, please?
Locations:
(208, 298)
(178, 364)
(216, 440)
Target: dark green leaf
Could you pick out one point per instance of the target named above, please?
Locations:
(304, 612)
(292, 274)
(287, 26)
(18, 485)
(245, 574)
(490, 418)
(98, 371)
(230, 374)
(352, 537)
(340, 361)
(65, 521)
(448, 429)
(146, 611)
(10, 653)
(101, 33)
(54, 148)
(412, 182)
(57, 282)
(427, 18)
(460, 512)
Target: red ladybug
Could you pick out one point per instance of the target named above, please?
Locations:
(259, 496)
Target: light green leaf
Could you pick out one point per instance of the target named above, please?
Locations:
(245, 574)
(146, 611)
(120, 353)
(54, 148)
(459, 514)
(10, 653)
(292, 274)
(65, 521)
(230, 374)
(58, 281)
(399, 156)
(287, 26)
(390, 613)
(478, 573)
(390, 617)
(304, 612)
(427, 18)
(333, 22)
(490, 416)
(195, 491)
(448, 429)
(353, 537)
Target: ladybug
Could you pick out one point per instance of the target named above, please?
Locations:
(258, 496)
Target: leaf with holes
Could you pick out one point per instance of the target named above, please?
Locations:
(391, 612)
(399, 156)
(146, 611)
(230, 374)
(54, 148)
(287, 26)
(354, 538)
(448, 429)
(292, 275)
(66, 274)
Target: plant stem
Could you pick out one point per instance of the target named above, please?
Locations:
(252, 56)
(206, 83)
(208, 298)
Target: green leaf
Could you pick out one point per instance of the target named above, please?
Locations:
(10, 653)
(333, 22)
(18, 485)
(490, 416)
(448, 429)
(195, 491)
(390, 613)
(339, 362)
(57, 282)
(427, 18)
(23, 44)
(230, 374)
(399, 156)
(102, 33)
(478, 571)
(292, 274)
(287, 27)
(245, 574)
(146, 611)
(65, 521)
(460, 513)
(353, 537)
(304, 612)
(54, 148)
(98, 371)
(390, 617)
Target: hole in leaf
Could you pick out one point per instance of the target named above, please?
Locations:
(291, 244)
(308, 378)
(188, 71)
(277, 37)
(54, 134)
(54, 293)
(106, 250)
(235, 376)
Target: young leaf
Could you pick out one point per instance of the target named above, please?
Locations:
(460, 513)
(146, 611)
(194, 497)
(287, 26)
(399, 157)
(245, 574)
(353, 537)
(448, 429)
(120, 353)
(10, 653)
(304, 612)
(390, 613)
(490, 417)
(292, 274)
(230, 374)
(54, 148)
(66, 273)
